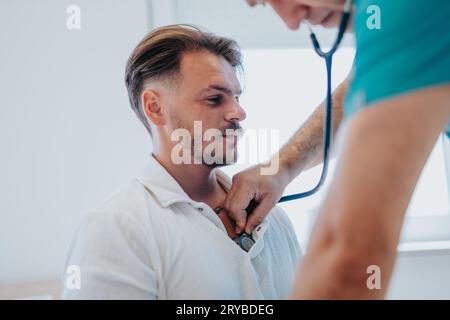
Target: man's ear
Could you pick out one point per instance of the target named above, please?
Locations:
(152, 107)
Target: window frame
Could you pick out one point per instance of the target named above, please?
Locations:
(430, 228)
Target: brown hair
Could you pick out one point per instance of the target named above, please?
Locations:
(159, 54)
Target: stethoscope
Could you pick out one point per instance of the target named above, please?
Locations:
(328, 115)
(246, 241)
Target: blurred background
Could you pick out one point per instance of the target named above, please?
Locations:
(68, 137)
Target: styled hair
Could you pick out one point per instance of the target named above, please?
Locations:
(158, 57)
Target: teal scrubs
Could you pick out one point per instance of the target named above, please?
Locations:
(410, 51)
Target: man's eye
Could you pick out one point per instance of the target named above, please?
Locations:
(216, 100)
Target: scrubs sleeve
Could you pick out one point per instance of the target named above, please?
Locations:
(409, 51)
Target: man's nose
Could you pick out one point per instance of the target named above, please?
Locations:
(236, 113)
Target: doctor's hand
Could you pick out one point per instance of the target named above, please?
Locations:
(252, 189)
(318, 12)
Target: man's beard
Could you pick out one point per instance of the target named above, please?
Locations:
(225, 143)
(227, 150)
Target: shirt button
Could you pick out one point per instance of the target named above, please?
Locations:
(200, 209)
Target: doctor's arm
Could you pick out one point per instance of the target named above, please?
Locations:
(384, 150)
(302, 152)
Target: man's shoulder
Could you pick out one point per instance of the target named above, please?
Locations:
(279, 217)
(280, 223)
(122, 215)
(130, 203)
(281, 234)
(133, 196)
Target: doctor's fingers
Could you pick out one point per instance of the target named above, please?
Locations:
(261, 211)
(237, 200)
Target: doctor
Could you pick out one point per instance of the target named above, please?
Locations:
(396, 108)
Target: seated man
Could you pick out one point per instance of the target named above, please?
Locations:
(165, 236)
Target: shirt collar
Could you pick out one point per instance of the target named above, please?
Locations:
(165, 188)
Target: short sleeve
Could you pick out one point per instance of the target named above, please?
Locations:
(408, 51)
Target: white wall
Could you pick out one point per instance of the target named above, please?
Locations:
(68, 137)
(421, 275)
(257, 27)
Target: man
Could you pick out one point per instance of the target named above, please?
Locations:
(399, 103)
(165, 236)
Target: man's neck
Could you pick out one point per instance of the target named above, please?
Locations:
(197, 180)
(201, 185)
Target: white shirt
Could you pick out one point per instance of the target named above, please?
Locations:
(151, 241)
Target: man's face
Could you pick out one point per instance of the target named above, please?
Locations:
(205, 101)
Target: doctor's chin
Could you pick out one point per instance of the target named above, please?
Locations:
(224, 155)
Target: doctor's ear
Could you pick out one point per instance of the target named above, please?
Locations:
(152, 107)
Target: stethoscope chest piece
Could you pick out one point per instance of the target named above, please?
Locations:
(245, 241)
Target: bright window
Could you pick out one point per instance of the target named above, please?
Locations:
(282, 87)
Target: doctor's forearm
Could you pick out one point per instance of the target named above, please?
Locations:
(305, 148)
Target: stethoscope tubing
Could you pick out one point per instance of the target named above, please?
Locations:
(328, 114)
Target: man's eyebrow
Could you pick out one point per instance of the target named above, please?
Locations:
(224, 89)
